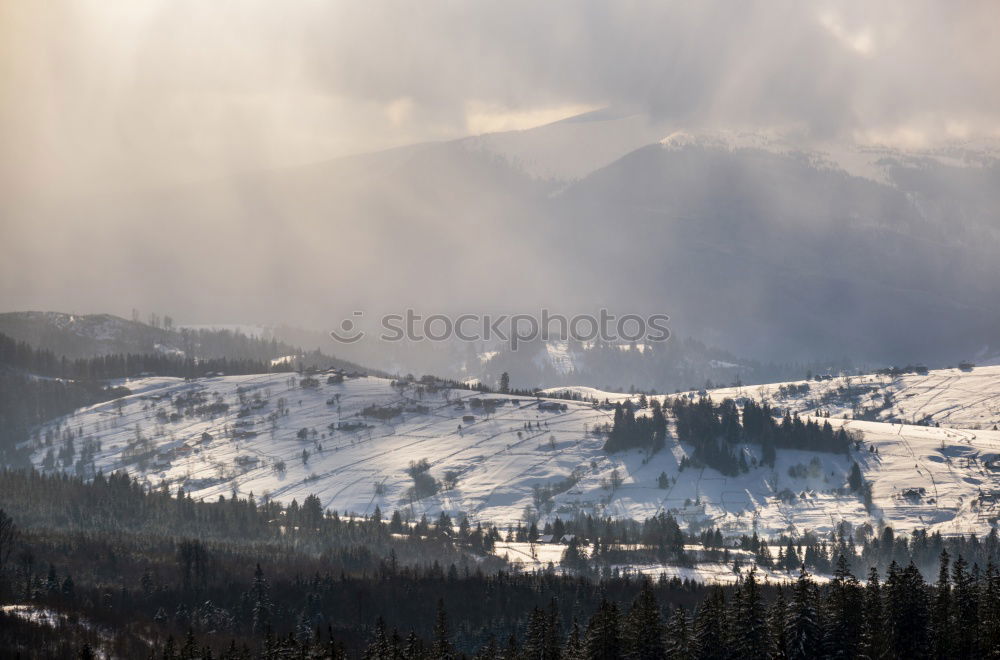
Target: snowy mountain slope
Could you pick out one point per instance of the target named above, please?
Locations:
(878, 163)
(955, 398)
(764, 246)
(86, 335)
(570, 149)
(91, 335)
(497, 464)
(769, 256)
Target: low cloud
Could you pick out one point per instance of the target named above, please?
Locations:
(103, 94)
(106, 100)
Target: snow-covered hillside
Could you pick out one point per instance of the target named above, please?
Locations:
(86, 335)
(960, 399)
(277, 436)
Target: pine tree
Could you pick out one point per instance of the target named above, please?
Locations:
(603, 639)
(379, 648)
(678, 636)
(873, 637)
(768, 454)
(855, 480)
(803, 627)
(534, 639)
(907, 612)
(710, 627)
(52, 581)
(574, 649)
(572, 558)
(553, 635)
(512, 650)
(966, 610)
(488, 652)
(777, 616)
(941, 615)
(190, 649)
(260, 598)
(441, 649)
(842, 636)
(414, 647)
(169, 649)
(749, 634)
(989, 617)
(643, 638)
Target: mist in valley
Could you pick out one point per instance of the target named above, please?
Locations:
(787, 182)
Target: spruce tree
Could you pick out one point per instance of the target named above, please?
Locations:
(534, 639)
(777, 616)
(414, 647)
(169, 649)
(553, 635)
(574, 649)
(941, 615)
(873, 637)
(260, 597)
(989, 614)
(488, 652)
(603, 639)
(803, 628)
(843, 630)
(643, 638)
(710, 627)
(441, 649)
(966, 610)
(512, 650)
(907, 612)
(379, 648)
(749, 634)
(678, 636)
(855, 480)
(190, 649)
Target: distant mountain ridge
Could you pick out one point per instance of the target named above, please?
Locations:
(763, 247)
(86, 335)
(93, 335)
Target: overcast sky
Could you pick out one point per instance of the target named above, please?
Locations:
(116, 92)
(102, 101)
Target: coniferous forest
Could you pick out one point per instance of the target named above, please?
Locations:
(443, 330)
(716, 430)
(113, 567)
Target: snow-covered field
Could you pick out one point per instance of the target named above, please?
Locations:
(545, 556)
(949, 397)
(497, 462)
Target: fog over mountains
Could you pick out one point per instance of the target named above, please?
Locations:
(437, 330)
(762, 245)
